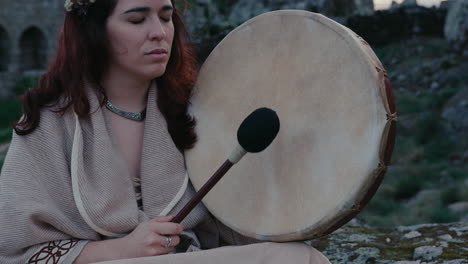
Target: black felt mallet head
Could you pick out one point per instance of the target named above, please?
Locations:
(258, 130)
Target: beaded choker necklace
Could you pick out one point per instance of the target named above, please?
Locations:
(129, 115)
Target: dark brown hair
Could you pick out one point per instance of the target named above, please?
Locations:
(83, 55)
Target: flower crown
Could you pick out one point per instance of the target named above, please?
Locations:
(78, 4)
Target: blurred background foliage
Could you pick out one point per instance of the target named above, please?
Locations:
(427, 181)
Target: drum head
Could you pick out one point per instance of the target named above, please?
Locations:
(336, 109)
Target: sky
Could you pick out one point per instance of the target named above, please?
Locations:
(383, 4)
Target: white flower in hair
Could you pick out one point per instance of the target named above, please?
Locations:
(69, 4)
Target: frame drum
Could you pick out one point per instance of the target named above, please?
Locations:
(337, 115)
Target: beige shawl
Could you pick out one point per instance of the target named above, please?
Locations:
(66, 184)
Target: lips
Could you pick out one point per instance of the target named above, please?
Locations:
(158, 55)
(158, 51)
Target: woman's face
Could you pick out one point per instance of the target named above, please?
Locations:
(140, 33)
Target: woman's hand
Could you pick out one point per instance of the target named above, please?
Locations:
(147, 239)
(150, 238)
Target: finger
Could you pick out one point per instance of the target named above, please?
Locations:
(166, 228)
(162, 241)
(175, 241)
(161, 251)
(162, 219)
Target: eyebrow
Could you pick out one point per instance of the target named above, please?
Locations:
(145, 9)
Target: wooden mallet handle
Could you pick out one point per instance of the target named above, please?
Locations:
(202, 192)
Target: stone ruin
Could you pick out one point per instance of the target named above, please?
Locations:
(456, 26)
(28, 36)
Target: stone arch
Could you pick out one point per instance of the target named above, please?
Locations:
(5, 49)
(33, 48)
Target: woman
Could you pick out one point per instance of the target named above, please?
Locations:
(96, 164)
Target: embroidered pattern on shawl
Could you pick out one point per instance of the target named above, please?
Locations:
(52, 253)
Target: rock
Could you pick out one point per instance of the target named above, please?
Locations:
(446, 237)
(456, 261)
(446, 4)
(389, 245)
(401, 77)
(456, 26)
(427, 252)
(434, 85)
(409, 3)
(202, 13)
(364, 7)
(396, 24)
(414, 227)
(367, 255)
(207, 26)
(459, 207)
(443, 244)
(245, 9)
(360, 238)
(412, 234)
(464, 219)
(344, 8)
(394, 5)
(456, 112)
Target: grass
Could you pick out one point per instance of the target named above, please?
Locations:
(422, 164)
(10, 111)
(442, 215)
(450, 195)
(423, 179)
(408, 102)
(5, 135)
(399, 58)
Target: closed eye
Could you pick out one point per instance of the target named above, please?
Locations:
(166, 19)
(137, 21)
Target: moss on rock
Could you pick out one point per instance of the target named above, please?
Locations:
(437, 243)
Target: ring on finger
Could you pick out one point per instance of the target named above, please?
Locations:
(168, 241)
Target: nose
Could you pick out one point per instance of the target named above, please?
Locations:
(157, 30)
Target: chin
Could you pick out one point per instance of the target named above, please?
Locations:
(157, 72)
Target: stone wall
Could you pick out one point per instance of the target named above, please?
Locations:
(456, 26)
(28, 37)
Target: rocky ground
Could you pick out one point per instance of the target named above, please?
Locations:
(427, 243)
